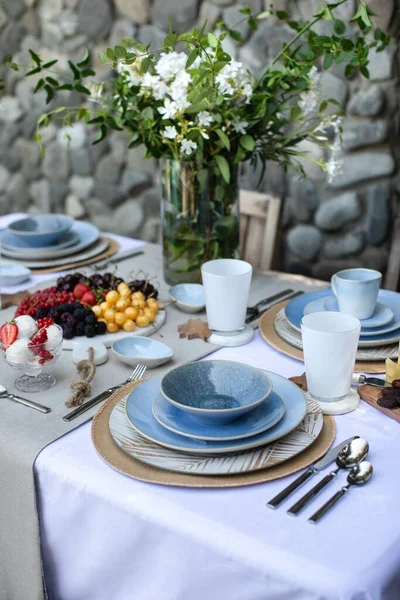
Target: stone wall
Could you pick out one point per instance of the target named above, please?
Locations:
(324, 227)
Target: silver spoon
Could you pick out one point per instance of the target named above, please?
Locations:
(359, 475)
(24, 401)
(350, 456)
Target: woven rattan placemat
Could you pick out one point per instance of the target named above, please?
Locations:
(118, 460)
(268, 333)
(111, 250)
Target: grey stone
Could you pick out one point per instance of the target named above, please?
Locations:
(312, 154)
(10, 109)
(128, 217)
(4, 205)
(56, 162)
(232, 16)
(333, 87)
(111, 194)
(383, 13)
(150, 33)
(74, 207)
(72, 137)
(95, 18)
(367, 102)
(223, 2)
(136, 10)
(96, 151)
(377, 213)
(104, 223)
(58, 192)
(118, 146)
(10, 38)
(135, 161)
(363, 132)
(14, 8)
(134, 182)
(51, 35)
(28, 151)
(74, 46)
(30, 3)
(304, 241)
(122, 28)
(3, 18)
(345, 11)
(151, 231)
(375, 258)
(380, 64)
(39, 191)
(11, 160)
(69, 23)
(107, 169)
(17, 192)
(332, 215)
(80, 161)
(183, 14)
(96, 207)
(82, 187)
(29, 122)
(4, 177)
(264, 45)
(31, 22)
(324, 269)
(151, 202)
(303, 199)
(344, 245)
(362, 166)
(210, 13)
(50, 10)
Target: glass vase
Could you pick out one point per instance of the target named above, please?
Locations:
(200, 213)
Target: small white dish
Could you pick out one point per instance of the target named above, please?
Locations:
(189, 297)
(13, 274)
(135, 349)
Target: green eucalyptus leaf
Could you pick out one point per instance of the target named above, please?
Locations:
(35, 57)
(212, 40)
(75, 71)
(328, 60)
(49, 64)
(85, 59)
(39, 86)
(192, 57)
(247, 142)
(339, 27)
(33, 71)
(224, 138)
(101, 136)
(110, 54)
(223, 166)
(82, 89)
(236, 35)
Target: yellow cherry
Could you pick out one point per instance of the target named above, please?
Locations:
(120, 318)
(104, 306)
(121, 304)
(129, 325)
(149, 313)
(131, 313)
(142, 321)
(97, 310)
(112, 327)
(112, 296)
(109, 315)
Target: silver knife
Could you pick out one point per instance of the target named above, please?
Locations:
(329, 457)
(254, 310)
(252, 317)
(359, 379)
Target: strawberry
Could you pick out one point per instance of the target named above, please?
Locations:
(80, 289)
(8, 334)
(89, 298)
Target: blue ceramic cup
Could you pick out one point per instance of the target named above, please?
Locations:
(356, 291)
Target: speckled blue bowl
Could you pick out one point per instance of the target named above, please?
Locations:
(216, 391)
(40, 231)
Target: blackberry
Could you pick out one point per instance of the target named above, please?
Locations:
(90, 319)
(101, 328)
(90, 331)
(80, 329)
(64, 317)
(69, 333)
(41, 312)
(80, 314)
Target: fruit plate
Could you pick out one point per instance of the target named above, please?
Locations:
(109, 338)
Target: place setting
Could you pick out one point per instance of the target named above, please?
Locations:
(47, 242)
(355, 292)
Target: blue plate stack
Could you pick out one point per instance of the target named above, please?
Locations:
(47, 240)
(381, 329)
(215, 407)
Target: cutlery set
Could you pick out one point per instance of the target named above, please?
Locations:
(349, 455)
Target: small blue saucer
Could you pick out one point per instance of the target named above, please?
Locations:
(189, 297)
(382, 315)
(13, 274)
(258, 420)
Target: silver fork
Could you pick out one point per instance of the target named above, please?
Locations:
(134, 376)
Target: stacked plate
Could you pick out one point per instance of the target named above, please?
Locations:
(40, 242)
(199, 412)
(378, 333)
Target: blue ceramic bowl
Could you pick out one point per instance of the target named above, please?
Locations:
(135, 349)
(216, 391)
(41, 230)
(189, 297)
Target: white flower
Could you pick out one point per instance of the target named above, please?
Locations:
(310, 100)
(154, 85)
(240, 127)
(170, 64)
(96, 91)
(334, 167)
(131, 72)
(205, 118)
(169, 110)
(187, 146)
(170, 132)
(234, 78)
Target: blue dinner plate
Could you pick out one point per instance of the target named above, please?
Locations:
(85, 234)
(15, 244)
(294, 312)
(263, 417)
(139, 413)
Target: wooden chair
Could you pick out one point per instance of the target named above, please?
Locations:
(393, 269)
(259, 222)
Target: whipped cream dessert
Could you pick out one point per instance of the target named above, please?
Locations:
(54, 337)
(18, 352)
(27, 327)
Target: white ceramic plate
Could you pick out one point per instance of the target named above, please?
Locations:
(109, 338)
(263, 457)
(293, 337)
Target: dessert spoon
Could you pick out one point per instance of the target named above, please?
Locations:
(24, 401)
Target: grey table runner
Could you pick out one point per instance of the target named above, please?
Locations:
(24, 432)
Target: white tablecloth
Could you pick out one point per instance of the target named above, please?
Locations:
(108, 537)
